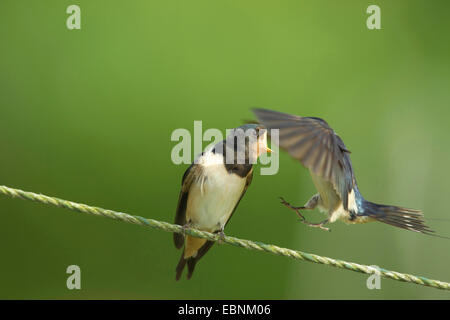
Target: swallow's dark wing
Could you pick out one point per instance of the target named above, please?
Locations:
(316, 145)
(247, 184)
(190, 176)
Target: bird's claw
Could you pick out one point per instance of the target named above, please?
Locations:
(287, 204)
(319, 225)
(185, 227)
(296, 209)
(283, 201)
(302, 219)
(221, 237)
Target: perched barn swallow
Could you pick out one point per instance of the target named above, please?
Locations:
(212, 187)
(311, 141)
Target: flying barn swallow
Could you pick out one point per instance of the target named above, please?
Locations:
(311, 141)
(212, 188)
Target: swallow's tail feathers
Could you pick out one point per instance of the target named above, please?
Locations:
(191, 258)
(400, 217)
(178, 239)
(180, 266)
(180, 219)
(191, 267)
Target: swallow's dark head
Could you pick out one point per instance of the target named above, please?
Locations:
(248, 141)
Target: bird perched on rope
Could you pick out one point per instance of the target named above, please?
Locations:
(311, 141)
(212, 188)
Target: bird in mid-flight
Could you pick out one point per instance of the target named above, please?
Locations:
(212, 187)
(311, 141)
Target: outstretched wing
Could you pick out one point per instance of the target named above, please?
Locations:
(190, 175)
(316, 145)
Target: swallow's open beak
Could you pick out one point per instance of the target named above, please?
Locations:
(263, 149)
(262, 144)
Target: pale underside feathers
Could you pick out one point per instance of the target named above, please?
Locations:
(208, 198)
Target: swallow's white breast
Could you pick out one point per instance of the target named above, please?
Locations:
(329, 199)
(212, 199)
(331, 203)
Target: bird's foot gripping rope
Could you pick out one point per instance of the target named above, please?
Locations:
(247, 244)
(221, 236)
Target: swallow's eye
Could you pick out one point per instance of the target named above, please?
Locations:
(260, 131)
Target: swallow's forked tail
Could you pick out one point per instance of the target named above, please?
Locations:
(180, 266)
(191, 262)
(196, 249)
(400, 217)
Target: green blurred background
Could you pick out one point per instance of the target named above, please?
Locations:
(86, 115)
